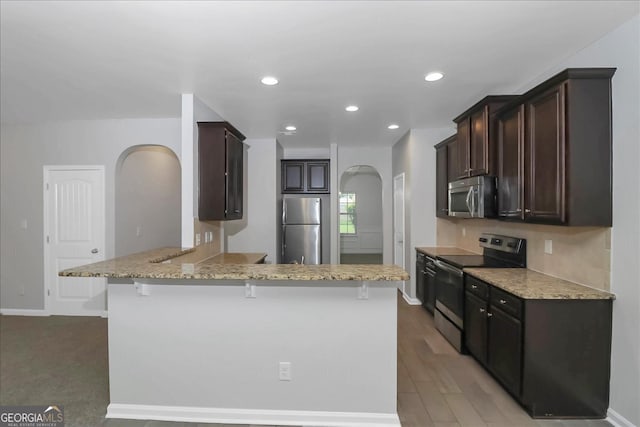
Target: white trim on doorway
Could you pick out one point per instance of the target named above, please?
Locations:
(399, 231)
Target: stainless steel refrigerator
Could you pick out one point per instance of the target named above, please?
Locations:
(301, 231)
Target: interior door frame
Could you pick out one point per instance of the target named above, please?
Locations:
(46, 171)
(400, 176)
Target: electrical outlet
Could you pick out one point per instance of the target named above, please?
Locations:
(548, 247)
(285, 371)
(139, 231)
(23, 224)
(464, 231)
(198, 239)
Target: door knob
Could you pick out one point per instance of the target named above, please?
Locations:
(94, 250)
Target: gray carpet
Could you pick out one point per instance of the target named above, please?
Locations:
(56, 360)
(62, 360)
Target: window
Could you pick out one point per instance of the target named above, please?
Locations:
(347, 213)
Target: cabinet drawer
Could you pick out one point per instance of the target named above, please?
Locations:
(506, 302)
(477, 287)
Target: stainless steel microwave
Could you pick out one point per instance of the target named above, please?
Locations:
(473, 197)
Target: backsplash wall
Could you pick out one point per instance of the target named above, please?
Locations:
(580, 254)
(209, 248)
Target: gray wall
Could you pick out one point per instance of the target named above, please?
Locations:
(255, 232)
(401, 163)
(414, 155)
(147, 200)
(621, 48)
(24, 150)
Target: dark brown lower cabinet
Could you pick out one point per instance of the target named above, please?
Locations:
(504, 349)
(552, 355)
(475, 324)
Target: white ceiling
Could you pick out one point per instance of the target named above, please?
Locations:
(92, 60)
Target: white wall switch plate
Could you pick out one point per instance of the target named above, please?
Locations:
(464, 232)
(198, 237)
(139, 231)
(548, 246)
(284, 371)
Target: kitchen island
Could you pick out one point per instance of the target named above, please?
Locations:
(250, 343)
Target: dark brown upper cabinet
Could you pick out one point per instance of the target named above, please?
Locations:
(475, 144)
(305, 176)
(511, 164)
(443, 157)
(555, 151)
(220, 165)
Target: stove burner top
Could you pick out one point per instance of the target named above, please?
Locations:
(462, 261)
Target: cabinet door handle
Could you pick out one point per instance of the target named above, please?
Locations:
(444, 210)
(489, 314)
(482, 310)
(237, 211)
(502, 301)
(527, 211)
(474, 286)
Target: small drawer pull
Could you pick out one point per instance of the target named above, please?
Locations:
(489, 314)
(474, 286)
(502, 301)
(482, 310)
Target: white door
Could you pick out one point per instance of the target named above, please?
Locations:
(74, 226)
(398, 220)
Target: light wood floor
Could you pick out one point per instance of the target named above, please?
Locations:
(441, 388)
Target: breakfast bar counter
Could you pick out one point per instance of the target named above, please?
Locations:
(269, 344)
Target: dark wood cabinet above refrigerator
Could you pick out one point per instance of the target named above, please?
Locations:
(306, 176)
(220, 172)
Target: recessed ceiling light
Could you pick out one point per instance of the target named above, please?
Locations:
(352, 108)
(434, 76)
(269, 81)
(290, 128)
(393, 126)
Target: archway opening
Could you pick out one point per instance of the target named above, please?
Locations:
(148, 199)
(360, 216)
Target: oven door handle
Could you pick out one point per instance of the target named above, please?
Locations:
(448, 268)
(469, 205)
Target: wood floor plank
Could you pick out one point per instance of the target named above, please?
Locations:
(412, 412)
(434, 402)
(464, 411)
(405, 384)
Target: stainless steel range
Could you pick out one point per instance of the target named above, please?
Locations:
(498, 252)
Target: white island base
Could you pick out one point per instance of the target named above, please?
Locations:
(211, 351)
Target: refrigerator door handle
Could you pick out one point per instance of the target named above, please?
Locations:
(284, 211)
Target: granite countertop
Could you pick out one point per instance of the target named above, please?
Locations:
(167, 263)
(443, 250)
(529, 284)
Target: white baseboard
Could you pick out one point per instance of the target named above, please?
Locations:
(618, 420)
(22, 312)
(251, 416)
(410, 300)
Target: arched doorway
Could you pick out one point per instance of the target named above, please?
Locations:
(148, 199)
(360, 216)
